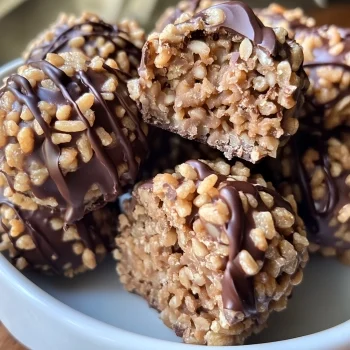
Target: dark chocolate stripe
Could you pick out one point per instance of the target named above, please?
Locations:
(240, 19)
(238, 288)
(70, 189)
(107, 31)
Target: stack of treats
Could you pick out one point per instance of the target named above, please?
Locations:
(228, 131)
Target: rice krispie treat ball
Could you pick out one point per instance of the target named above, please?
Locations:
(93, 37)
(276, 15)
(70, 136)
(233, 84)
(36, 237)
(316, 169)
(327, 63)
(213, 248)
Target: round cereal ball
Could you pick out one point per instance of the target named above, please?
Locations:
(236, 86)
(276, 15)
(70, 136)
(93, 37)
(36, 237)
(315, 167)
(213, 248)
(327, 63)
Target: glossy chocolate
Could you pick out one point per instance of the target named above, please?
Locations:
(322, 58)
(70, 189)
(240, 19)
(52, 254)
(317, 214)
(237, 287)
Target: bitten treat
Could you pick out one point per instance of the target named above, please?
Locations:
(36, 237)
(290, 19)
(213, 248)
(70, 136)
(327, 63)
(224, 79)
(316, 169)
(93, 37)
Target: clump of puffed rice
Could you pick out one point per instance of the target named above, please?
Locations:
(36, 237)
(176, 249)
(315, 167)
(70, 136)
(90, 35)
(276, 15)
(206, 82)
(327, 63)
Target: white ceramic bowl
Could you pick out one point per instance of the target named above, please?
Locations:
(94, 312)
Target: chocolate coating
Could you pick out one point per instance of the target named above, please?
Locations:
(69, 189)
(318, 214)
(92, 36)
(207, 78)
(326, 51)
(237, 287)
(52, 248)
(240, 19)
(291, 20)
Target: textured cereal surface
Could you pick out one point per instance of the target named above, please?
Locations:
(88, 34)
(323, 196)
(221, 88)
(276, 15)
(36, 237)
(78, 124)
(327, 63)
(177, 264)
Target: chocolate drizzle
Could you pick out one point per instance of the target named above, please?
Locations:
(52, 254)
(99, 29)
(240, 19)
(322, 58)
(237, 287)
(70, 189)
(317, 214)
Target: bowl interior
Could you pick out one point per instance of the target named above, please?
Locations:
(320, 302)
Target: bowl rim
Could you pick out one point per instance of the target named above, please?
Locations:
(337, 335)
(33, 294)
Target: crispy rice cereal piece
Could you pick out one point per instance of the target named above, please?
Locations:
(70, 136)
(327, 63)
(213, 249)
(315, 167)
(36, 237)
(212, 80)
(93, 37)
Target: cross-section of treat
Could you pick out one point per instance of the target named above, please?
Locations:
(93, 37)
(224, 79)
(315, 167)
(276, 15)
(327, 63)
(70, 137)
(213, 249)
(36, 237)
